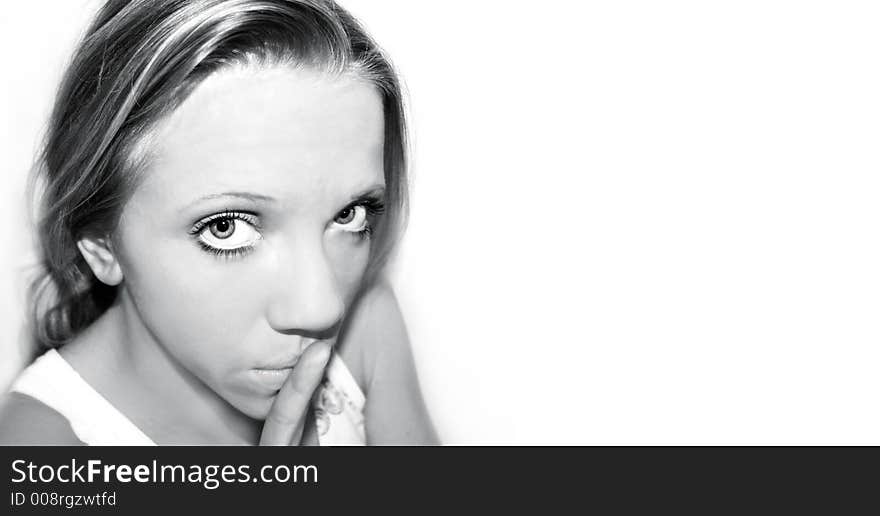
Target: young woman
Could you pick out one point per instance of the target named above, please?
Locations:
(222, 182)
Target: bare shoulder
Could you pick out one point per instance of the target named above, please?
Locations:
(27, 421)
(373, 330)
(395, 410)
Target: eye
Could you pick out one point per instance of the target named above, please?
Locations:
(223, 228)
(227, 231)
(353, 219)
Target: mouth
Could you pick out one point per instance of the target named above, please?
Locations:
(286, 361)
(271, 380)
(270, 376)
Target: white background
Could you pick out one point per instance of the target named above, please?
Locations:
(633, 222)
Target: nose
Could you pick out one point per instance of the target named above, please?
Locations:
(307, 299)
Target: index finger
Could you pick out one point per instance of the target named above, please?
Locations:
(286, 420)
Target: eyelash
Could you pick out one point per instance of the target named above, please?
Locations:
(236, 252)
(374, 207)
(226, 253)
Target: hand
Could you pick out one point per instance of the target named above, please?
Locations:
(287, 418)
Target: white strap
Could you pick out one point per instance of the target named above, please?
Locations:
(94, 420)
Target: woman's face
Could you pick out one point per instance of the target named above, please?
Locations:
(249, 235)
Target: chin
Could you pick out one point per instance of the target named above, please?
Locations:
(254, 407)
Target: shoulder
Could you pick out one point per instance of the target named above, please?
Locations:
(377, 312)
(374, 332)
(27, 421)
(395, 411)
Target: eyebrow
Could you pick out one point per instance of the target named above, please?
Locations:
(239, 195)
(377, 190)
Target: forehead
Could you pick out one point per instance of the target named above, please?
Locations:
(297, 135)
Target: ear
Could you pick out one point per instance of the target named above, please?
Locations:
(99, 254)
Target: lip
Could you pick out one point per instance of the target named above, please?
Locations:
(270, 379)
(271, 375)
(290, 357)
(282, 362)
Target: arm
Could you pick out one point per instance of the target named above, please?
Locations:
(395, 411)
(27, 421)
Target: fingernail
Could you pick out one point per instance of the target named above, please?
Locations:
(322, 354)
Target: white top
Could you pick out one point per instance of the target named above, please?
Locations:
(338, 404)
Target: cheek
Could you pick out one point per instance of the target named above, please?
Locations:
(199, 310)
(349, 257)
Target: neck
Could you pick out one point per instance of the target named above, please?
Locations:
(123, 361)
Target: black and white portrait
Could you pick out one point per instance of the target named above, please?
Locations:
(221, 185)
